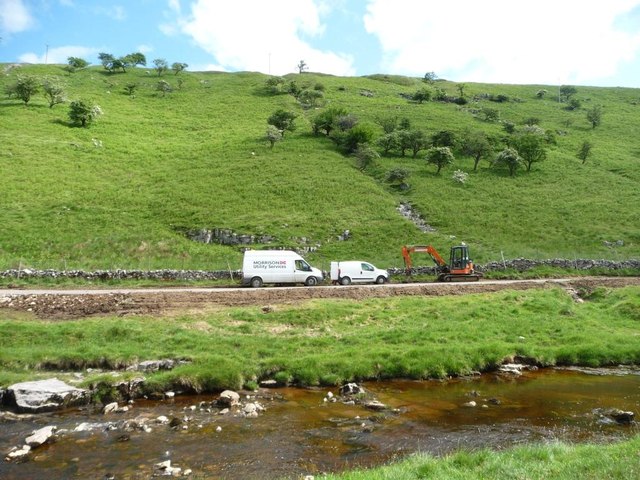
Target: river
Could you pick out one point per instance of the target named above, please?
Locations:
(302, 432)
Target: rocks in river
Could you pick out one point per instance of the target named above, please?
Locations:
(515, 368)
(615, 415)
(40, 436)
(470, 404)
(228, 398)
(18, 453)
(351, 389)
(44, 396)
(36, 439)
(374, 405)
(156, 365)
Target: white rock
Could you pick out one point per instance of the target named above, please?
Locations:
(18, 452)
(469, 404)
(162, 419)
(40, 436)
(169, 394)
(110, 407)
(218, 428)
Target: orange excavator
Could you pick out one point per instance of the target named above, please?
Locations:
(460, 267)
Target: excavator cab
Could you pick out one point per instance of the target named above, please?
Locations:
(459, 259)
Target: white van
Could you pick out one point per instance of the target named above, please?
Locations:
(277, 266)
(346, 273)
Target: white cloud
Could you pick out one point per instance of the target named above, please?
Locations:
(59, 55)
(116, 12)
(262, 36)
(144, 49)
(14, 17)
(504, 41)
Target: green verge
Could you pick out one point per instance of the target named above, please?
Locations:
(326, 342)
(555, 461)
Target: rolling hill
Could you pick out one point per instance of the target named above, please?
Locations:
(156, 168)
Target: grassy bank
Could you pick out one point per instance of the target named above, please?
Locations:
(549, 462)
(329, 342)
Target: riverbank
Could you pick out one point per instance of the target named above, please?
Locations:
(329, 341)
(553, 461)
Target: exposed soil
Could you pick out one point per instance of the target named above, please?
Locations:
(71, 304)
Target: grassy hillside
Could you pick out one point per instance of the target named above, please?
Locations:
(198, 158)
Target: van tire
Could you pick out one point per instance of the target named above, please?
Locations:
(381, 279)
(311, 282)
(256, 282)
(345, 281)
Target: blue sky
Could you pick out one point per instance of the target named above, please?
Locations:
(578, 42)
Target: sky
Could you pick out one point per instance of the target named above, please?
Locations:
(548, 42)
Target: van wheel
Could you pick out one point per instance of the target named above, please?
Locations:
(256, 282)
(311, 282)
(380, 280)
(345, 281)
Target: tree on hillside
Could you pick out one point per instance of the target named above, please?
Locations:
(275, 85)
(302, 66)
(440, 157)
(594, 115)
(476, 144)
(429, 77)
(360, 134)
(585, 151)
(310, 98)
(531, 148)
(326, 120)
(421, 95)
(397, 177)
(178, 67)
(416, 140)
(135, 59)
(365, 155)
(25, 87)
(160, 65)
(273, 135)
(75, 63)
(444, 138)
(163, 87)
(388, 142)
(53, 91)
(461, 88)
(566, 92)
(282, 120)
(388, 123)
(83, 113)
(509, 158)
(106, 59)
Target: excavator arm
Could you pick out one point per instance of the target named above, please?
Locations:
(407, 251)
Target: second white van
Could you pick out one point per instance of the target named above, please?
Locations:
(346, 273)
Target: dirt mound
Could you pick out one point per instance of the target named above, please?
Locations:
(86, 303)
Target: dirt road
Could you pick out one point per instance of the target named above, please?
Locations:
(69, 304)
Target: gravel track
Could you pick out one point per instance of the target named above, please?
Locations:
(72, 304)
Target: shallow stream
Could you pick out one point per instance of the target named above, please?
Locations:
(300, 433)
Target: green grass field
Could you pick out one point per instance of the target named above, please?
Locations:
(328, 342)
(198, 158)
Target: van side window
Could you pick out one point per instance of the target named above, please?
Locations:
(303, 266)
(367, 267)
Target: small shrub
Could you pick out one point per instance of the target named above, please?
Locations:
(460, 177)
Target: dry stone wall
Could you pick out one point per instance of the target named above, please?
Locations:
(519, 264)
